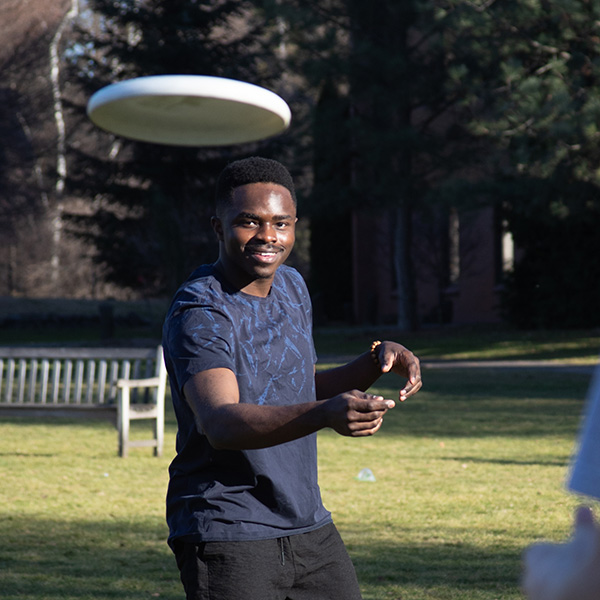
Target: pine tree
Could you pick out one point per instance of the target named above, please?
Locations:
(453, 104)
(531, 71)
(150, 217)
(381, 68)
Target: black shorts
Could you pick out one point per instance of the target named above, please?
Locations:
(307, 566)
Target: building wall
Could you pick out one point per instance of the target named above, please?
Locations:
(476, 297)
(473, 297)
(374, 299)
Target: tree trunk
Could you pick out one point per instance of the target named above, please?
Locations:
(406, 304)
(61, 145)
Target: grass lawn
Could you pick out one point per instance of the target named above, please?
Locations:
(468, 473)
(476, 343)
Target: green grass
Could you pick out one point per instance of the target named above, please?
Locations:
(468, 473)
(477, 343)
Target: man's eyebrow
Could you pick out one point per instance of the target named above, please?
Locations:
(247, 215)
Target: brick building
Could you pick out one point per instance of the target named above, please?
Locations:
(458, 271)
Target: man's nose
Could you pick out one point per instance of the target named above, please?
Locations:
(267, 233)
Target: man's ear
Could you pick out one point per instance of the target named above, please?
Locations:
(217, 227)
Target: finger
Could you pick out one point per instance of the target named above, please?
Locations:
(414, 371)
(411, 366)
(584, 516)
(409, 389)
(365, 417)
(365, 429)
(371, 403)
(364, 425)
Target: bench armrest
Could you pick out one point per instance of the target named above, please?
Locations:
(138, 383)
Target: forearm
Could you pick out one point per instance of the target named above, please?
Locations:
(249, 426)
(229, 424)
(360, 374)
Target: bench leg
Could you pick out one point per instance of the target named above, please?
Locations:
(123, 420)
(159, 433)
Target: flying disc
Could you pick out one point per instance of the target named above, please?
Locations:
(189, 110)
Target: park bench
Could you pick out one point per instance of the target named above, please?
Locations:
(118, 384)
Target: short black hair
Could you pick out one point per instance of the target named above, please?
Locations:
(251, 170)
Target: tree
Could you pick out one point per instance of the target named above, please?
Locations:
(535, 85)
(451, 103)
(150, 219)
(32, 159)
(401, 139)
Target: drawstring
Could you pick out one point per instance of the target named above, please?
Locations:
(282, 553)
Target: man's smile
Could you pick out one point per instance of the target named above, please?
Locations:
(264, 255)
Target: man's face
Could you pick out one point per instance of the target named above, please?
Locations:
(256, 234)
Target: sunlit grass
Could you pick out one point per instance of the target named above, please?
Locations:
(468, 473)
(577, 347)
(465, 479)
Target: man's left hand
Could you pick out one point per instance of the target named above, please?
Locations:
(395, 358)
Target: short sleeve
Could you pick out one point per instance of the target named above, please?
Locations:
(197, 338)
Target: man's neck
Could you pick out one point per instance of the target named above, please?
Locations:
(251, 286)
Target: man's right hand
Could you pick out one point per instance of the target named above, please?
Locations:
(356, 413)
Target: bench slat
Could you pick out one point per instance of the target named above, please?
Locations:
(33, 369)
(44, 380)
(10, 374)
(61, 353)
(114, 376)
(78, 381)
(89, 396)
(102, 370)
(67, 378)
(21, 381)
(56, 368)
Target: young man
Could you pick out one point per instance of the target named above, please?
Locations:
(244, 509)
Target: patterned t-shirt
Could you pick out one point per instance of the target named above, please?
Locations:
(231, 495)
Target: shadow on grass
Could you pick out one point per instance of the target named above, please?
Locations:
(483, 403)
(42, 559)
(449, 568)
(28, 454)
(539, 462)
(54, 559)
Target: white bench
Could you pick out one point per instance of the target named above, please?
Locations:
(118, 384)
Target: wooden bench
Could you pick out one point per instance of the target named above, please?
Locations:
(118, 384)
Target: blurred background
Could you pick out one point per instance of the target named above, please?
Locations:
(445, 153)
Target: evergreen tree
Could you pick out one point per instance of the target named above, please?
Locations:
(150, 217)
(455, 103)
(398, 133)
(531, 73)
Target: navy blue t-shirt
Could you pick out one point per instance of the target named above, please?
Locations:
(231, 495)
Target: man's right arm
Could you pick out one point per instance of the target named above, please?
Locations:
(228, 424)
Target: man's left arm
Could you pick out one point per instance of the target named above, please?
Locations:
(365, 370)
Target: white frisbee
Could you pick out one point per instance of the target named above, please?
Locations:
(189, 110)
